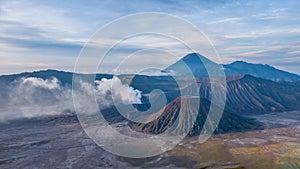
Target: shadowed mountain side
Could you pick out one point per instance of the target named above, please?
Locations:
(167, 84)
(229, 122)
(245, 94)
(260, 70)
(64, 77)
(199, 66)
(196, 65)
(251, 95)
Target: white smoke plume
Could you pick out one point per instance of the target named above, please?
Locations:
(33, 97)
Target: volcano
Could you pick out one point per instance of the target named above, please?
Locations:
(198, 65)
(182, 112)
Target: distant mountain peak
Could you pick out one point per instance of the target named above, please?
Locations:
(195, 62)
(192, 56)
(196, 57)
(259, 70)
(239, 62)
(199, 66)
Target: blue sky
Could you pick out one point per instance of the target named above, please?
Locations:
(50, 34)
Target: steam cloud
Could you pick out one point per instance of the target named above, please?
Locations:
(32, 97)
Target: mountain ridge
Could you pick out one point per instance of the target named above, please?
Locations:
(170, 113)
(263, 71)
(199, 64)
(246, 94)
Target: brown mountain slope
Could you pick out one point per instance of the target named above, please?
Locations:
(251, 95)
(185, 109)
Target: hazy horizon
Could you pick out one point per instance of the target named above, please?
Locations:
(72, 70)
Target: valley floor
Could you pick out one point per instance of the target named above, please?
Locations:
(59, 142)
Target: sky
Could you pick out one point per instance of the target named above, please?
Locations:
(37, 35)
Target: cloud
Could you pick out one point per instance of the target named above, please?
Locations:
(47, 21)
(157, 72)
(234, 19)
(50, 31)
(271, 14)
(112, 91)
(49, 84)
(34, 97)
